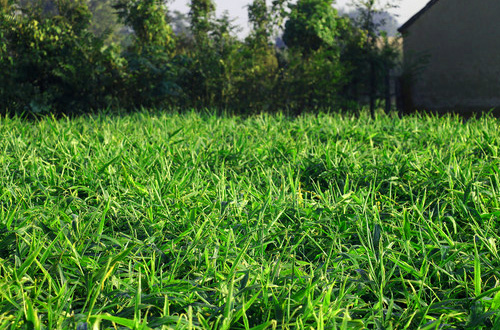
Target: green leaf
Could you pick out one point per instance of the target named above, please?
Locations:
(27, 263)
(496, 301)
(105, 166)
(31, 314)
(376, 239)
(131, 324)
(477, 271)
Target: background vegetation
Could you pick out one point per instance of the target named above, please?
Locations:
(74, 56)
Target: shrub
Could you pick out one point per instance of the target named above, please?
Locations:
(53, 63)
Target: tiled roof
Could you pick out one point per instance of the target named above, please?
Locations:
(415, 17)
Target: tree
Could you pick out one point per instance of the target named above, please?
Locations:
(105, 23)
(151, 71)
(312, 72)
(4, 5)
(201, 15)
(148, 20)
(279, 12)
(385, 21)
(73, 12)
(179, 22)
(184, 39)
(255, 64)
(258, 16)
(50, 61)
(207, 75)
(312, 24)
(378, 58)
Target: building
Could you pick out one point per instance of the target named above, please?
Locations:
(451, 52)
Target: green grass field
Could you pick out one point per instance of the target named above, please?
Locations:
(167, 221)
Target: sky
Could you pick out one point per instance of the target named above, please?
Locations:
(237, 9)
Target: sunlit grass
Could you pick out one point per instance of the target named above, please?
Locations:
(160, 221)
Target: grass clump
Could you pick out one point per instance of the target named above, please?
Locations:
(165, 221)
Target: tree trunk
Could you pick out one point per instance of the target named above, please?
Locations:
(387, 91)
(372, 88)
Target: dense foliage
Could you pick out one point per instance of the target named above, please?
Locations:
(56, 56)
(51, 62)
(167, 221)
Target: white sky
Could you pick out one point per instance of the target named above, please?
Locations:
(237, 8)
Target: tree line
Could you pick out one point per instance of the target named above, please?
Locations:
(68, 56)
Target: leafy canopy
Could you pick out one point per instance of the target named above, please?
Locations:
(312, 24)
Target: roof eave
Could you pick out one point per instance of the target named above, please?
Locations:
(415, 17)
